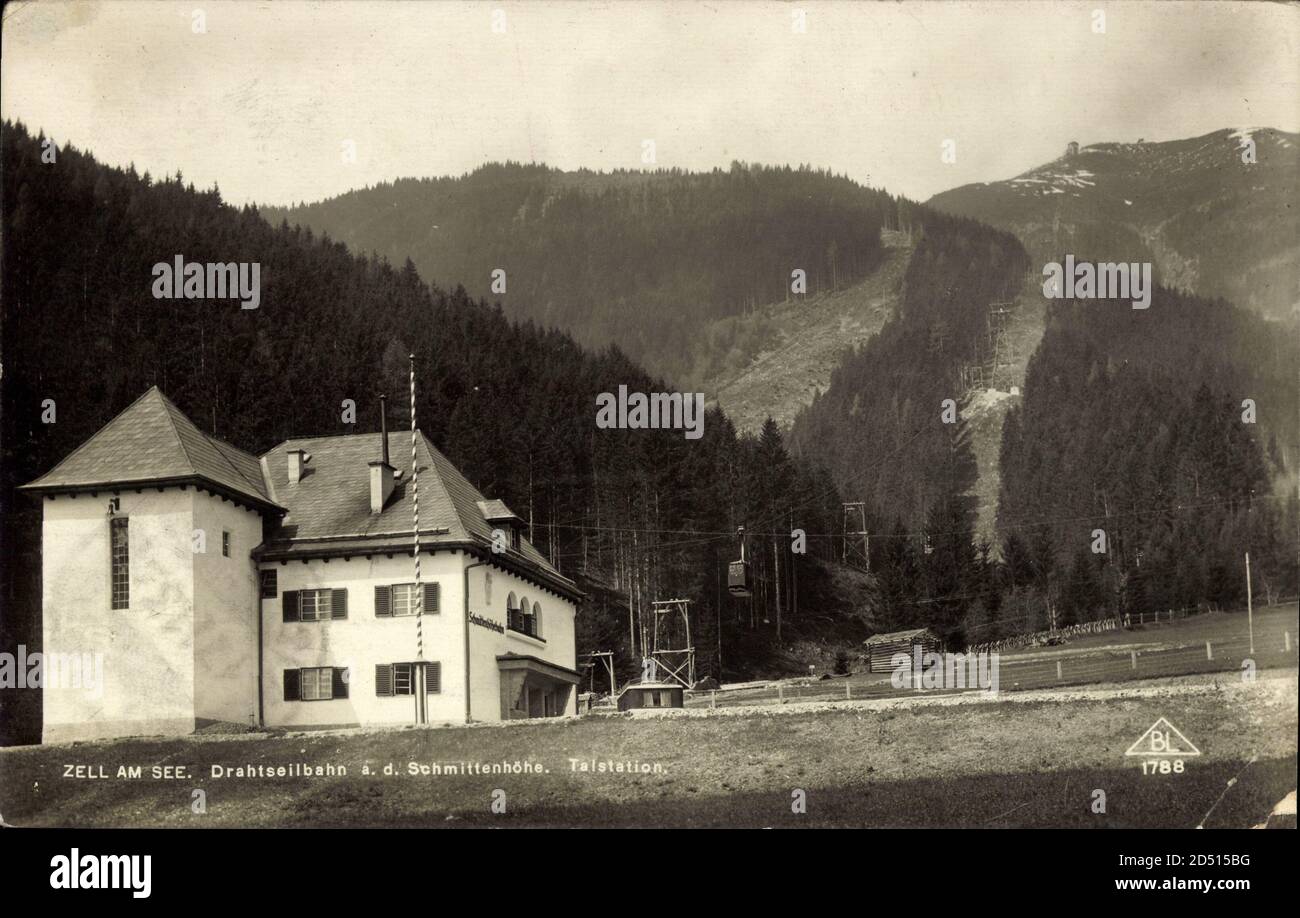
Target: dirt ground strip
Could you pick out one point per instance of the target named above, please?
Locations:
(1027, 759)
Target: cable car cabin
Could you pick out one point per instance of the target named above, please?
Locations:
(738, 579)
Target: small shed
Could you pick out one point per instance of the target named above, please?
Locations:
(650, 695)
(881, 648)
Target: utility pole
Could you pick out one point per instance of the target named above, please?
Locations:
(776, 561)
(631, 625)
(794, 576)
(1250, 614)
(719, 619)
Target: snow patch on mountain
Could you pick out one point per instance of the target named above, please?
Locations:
(1053, 182)
(983, 401)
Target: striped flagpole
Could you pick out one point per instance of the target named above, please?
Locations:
(418, 676)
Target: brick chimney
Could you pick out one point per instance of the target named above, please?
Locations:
(382, 474)
(298, 459)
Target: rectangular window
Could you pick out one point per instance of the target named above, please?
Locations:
(403, 599)
(403, 678)
(404, 596)
(399, 678)
(269, 584)
(314, 605)
(317, 684)
(121, 562)
(225, 544)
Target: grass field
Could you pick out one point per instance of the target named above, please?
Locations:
(1030, 759)
(1164, 649)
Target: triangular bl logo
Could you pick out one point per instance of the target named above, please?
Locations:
(1163, 738)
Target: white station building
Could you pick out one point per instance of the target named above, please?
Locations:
(280, 591)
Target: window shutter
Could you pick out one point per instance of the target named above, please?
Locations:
(339, 604)
(383, 601)
(290, 605)
(291, 692)
(431, 598)
(340, 682)
(432, 678)
(383, 679)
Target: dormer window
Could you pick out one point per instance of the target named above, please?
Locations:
(502, 521)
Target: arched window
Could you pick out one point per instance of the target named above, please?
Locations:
(525, 615)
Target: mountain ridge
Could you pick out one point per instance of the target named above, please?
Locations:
(1209, 222)
(643, 260)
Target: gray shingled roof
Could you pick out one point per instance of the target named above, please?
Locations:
(330, 504)
(496, 510)
(910, 634)
(328, 510)
(153, 441)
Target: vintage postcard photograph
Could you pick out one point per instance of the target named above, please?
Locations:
(652, 414)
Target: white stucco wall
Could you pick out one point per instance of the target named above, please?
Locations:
(557, 631)
(148, 649)
(363, 640)
(225, 613)
(158, 677)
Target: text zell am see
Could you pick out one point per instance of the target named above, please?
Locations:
(98, 772)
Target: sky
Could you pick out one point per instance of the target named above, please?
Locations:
(268, 99)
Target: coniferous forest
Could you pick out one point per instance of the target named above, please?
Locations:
(1171, 431)
(881, 430)
(1134, 424)
(644, 259)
